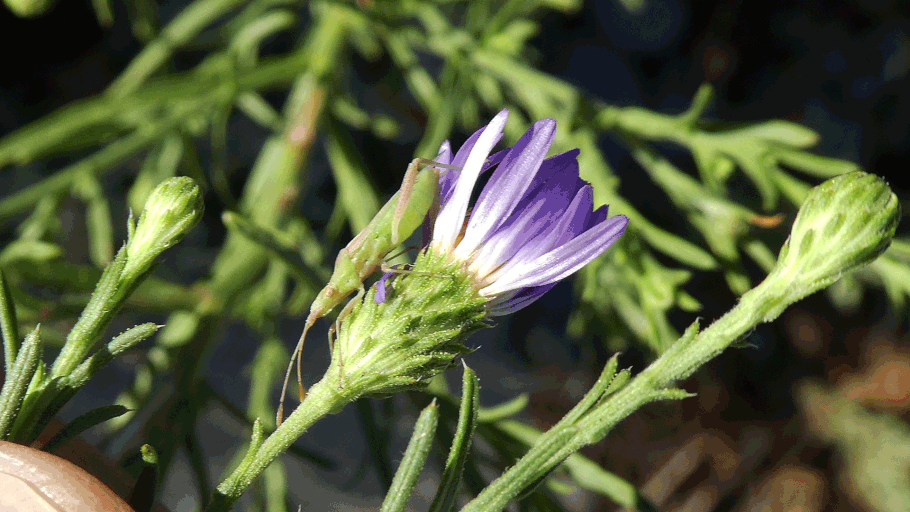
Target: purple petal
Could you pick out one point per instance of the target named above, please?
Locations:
(380, 296)
(508, 185)
(573, 221)
(521, 299)
(496, 251)
(598, 216)
(562, 261)
(444, 156)
(561, 165)
(532, 217)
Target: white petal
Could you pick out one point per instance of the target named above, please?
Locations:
(450, 219)
(508, 185)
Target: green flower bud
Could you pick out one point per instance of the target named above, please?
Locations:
(845, 223)
(416, 333)
(172, 209)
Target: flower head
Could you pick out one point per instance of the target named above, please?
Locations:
(532, 224)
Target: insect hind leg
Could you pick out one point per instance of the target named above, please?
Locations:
(336, 326)
(296, 355)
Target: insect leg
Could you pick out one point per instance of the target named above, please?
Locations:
(279, 416)
(386, 268)
(336, 326)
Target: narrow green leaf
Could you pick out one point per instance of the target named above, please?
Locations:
(591, 476)
(618, 381)
(781, 132)
(355, 192)
(413, 461)
(98, 218)
(702, 100)
(543, 459)
(671, 245)
(82, 423)
(103, 161)
(246, 42)
(144, 19)
(260, 111)
(218, 136)
(586, 472)
(593, 396)
(43, 221)
(671, 394)
(33, 415)
(96, 315)
(821, 166)
(9, 325)
(256, 440)
(461, 445)
(502, 411)
(180, 31)
(267, 370)
(17, 380)
(104, 12)
(126, 340)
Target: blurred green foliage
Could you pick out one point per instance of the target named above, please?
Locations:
(458, 61)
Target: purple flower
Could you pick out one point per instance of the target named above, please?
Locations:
(532, 224)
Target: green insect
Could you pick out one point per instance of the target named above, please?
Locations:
(392, 225)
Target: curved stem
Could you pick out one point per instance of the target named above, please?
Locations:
(324, 398)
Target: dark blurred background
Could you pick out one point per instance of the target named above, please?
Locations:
(839, 67)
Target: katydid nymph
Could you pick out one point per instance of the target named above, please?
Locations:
(391, 226)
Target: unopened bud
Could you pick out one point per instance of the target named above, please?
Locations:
(172, 209)
(845, 223)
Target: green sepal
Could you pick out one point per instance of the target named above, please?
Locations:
(415, 334)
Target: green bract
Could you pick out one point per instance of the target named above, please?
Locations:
(415, 334)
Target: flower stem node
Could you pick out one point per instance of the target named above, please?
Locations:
(172, 209)
(845, 223)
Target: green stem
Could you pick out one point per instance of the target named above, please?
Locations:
(323, 398)
(678, 362)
